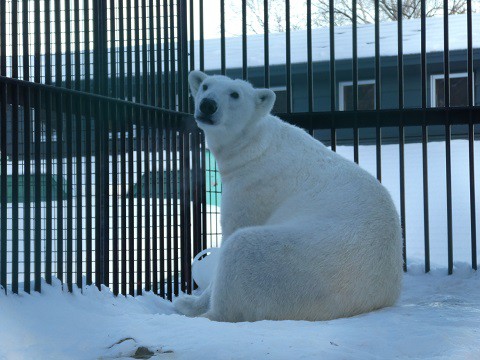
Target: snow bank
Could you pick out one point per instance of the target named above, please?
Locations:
(437, 317)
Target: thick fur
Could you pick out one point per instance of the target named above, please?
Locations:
(307, 234)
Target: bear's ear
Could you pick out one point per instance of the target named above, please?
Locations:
(265, 98)
(195, 78)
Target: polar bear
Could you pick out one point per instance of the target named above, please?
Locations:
(307, 234)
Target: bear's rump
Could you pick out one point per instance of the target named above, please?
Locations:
(288, 274)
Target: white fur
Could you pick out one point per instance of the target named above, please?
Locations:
(307, 234)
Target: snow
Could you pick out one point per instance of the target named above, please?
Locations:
(437, 316)
(457, 30)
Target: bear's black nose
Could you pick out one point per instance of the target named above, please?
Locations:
(208, 106)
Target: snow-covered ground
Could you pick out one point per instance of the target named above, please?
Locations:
(437, 317)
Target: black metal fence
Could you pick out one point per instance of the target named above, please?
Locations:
(99, 182)
(102, 176)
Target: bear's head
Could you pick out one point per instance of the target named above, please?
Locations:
(225, 107)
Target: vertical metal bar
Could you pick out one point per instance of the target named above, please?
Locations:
(123, 180)
(88, 150)
(144, 76)
(378, 94)
(222, 37)
(179, 54)
(426, 222)
(288, 49)
(154, 182)
(15, 121)
(355, 80)
(115, 224)
(129, 53)
(173, 79)
(471, 135)
(182, 202)
(151, 52)
(159, 44)
(48, 149)
(146, 151)
(244, 39)
(98, 186)
(183, 65)
(38, 167)
(333, 78)
(309, 56)
(401, 131)
(78, 195)
(114, 151)
(198, 215)
(3, 148)
(192, 43)
(59, 140)
(168, 169)
(97, 140)
(166, 55)
(131, 194)
(203, 188)
(123, 158)
(190, 178)
(136, 36)
(69, 154)
(266, 48)
(130, 145)
(3, 151)
(175, 198)
(446, 64)
(202, 40)
(140, 185)
(27, 122)
(76, 5)
(78, 153)
(138, 139)
(161, 185)
(191, 54)
(105, 114)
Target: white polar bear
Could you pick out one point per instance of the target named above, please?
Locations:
(307, 234)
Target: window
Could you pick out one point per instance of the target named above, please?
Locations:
(280, 105)
(20, 188)
(458, 90)
(366, 95)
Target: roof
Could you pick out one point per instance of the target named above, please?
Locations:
(343, 42)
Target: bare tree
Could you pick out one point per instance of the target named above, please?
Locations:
(388, 10)
(343, 12)
(276, 16)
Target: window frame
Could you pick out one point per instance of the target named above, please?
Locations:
(434, 77)
(341, 92)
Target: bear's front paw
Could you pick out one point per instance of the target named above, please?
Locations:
(189, 305)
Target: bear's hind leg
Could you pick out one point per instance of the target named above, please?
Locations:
(257, 276)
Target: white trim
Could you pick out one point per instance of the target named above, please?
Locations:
(278, 88)
(341, 89)
(434, 77)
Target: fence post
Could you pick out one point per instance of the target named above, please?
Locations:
(100, 78)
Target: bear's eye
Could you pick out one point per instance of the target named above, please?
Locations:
(235, 95)
(204, 87)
